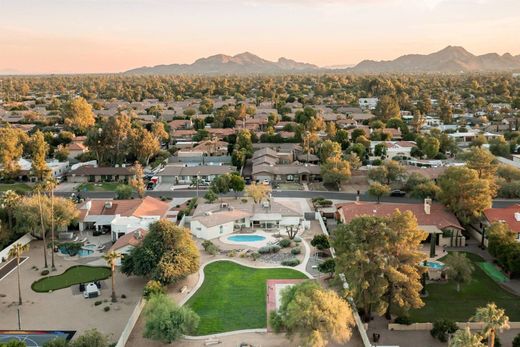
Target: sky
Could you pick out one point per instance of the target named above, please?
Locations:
(86, 36)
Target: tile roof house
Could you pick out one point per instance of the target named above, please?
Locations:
(181, 174)
(432, 217)
(127, 242)
(509, 215)
(119, 217)
(93, 173)
(210, 221)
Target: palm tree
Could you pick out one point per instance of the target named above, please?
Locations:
(111, 259)
(464, 338)
(51, 184)
(39, 188)
(494, 319)
(16, 252)
(9, 201)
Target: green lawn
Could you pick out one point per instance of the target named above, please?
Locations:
(17, 187)
(233, 297)
(99, 187)
(73, 275)
(444, 301)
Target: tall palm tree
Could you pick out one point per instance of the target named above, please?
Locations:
(111, 259)
(39, 188)
(464, 338)
(50, 185)
(494, 320)
(16, 252)
(10, 200)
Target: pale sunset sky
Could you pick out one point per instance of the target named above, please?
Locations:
(82, 36)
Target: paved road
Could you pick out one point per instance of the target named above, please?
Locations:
(189, 193)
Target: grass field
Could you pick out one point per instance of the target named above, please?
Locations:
(444, 302)
(17, 187)
(233, 297)
(73, 275)
(99, 187)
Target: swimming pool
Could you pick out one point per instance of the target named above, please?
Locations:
(246, 238)
(85, 250)
(435, 265)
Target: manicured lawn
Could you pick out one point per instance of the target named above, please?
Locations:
(73, 275)
(233, 297)
(444, 301)
(99, 187)
(17, 187)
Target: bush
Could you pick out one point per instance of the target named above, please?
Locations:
(210, 247)
(44, 272)
(442, 329)
(56, 342)
(296, 250)
(297, 239)
(269, 249)
(276, 321)
(403, 320)
(321, 242)
(153, 288)
(255, 256)
(106, 308)
(291, 262)
(284, 243)
(97, 303)
(516, 341)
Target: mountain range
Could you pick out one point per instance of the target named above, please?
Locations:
(452, 59)
(244, 63)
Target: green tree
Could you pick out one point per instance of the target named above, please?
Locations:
(167, 254)
(494, 320)
(335, 171)
(10, 201)
(111, 259)
(431, 147)
(464, 338)
(329, 149)
(354, 161)
(464, 193)
(138, 181)
(258, 192)
(90, 338)
(387, 108)
(500, 147)
(124, 192)
(390, 171)
(236, 183)
(459, 268)
(320, 241)
(166, 322)
(482, 161)
(378, 190)
(12, 143)
(78, 115)
(210, 196)
(317, 315)
(16, 252)
(39, 151)
(425, 190)
(144, 145)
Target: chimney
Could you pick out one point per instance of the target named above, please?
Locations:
(427, 205)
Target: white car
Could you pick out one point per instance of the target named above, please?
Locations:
(91, 291)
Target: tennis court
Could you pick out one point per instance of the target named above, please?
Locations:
(493, 272)
(34, 338)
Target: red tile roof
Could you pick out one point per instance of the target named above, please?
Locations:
(129, 239)
(134, 207)
(439, 216)
(505, 215)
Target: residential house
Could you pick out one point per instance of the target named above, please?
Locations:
(76, 149)
(394, 148)
(93, 173)
(368, 103)
(120, 217)
(210, 221)
(509, 215)
(126, 243)
(433, 218)
(181, 174)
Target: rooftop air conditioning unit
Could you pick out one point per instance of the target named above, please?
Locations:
(265, 204)
(108, 204)
(209, 213)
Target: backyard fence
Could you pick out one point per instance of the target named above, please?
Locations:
(131, 323)
(4, 254)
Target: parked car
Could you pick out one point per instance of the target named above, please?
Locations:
(397, 193)
(91, 291)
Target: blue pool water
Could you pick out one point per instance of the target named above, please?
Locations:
(86, 250)
(246, 238)
(434, 265)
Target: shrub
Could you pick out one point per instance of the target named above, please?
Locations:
(269, 249)
(328, 266)
(106, 308)
(297, 239)
(97, 303)
(255, 256)
(152, 288)
(320, 241)
(210, 247)
(44, 272)
(403, 320)
(516, 341)
(291, 262)
(296, 250)
(275, 249)
(284, 243)
(232, 253)
(442, 329)
(123, 296)
(276, 321)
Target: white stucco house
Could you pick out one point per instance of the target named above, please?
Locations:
(120, 217)
(211, 221)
